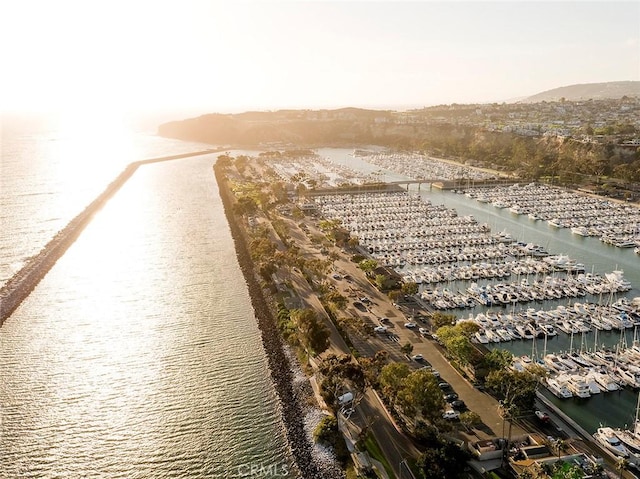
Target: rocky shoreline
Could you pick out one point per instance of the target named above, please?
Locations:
(291, 398)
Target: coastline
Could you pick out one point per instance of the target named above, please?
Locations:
(280, 366)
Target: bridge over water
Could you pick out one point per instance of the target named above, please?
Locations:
(403, 185)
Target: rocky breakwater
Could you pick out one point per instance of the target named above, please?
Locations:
(292, 398)
(20, 285)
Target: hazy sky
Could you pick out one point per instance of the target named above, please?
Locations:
(230, 56)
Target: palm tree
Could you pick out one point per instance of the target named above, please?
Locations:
(561, 446)
(622, 465)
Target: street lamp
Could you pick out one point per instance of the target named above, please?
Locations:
(404, 461)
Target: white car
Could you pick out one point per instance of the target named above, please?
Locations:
(380, 329)
(450, 415)
(417, 357)
(423, 331)
(410, 325)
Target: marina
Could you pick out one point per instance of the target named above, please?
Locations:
(484, 248)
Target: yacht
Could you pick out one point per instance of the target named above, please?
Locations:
(605, 380)
(549, 330)
(558, 389)
(631, 438)
(607, 437)
(481, 337)
(580, 230)
(554, 362)
(578, 386)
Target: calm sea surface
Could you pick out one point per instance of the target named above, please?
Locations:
(614, 409)
(138, 355)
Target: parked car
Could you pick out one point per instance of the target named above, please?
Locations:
(450, 397)
(450, 415)
(543, 416)
(478, 385)
(417, 357)
(384, 319)
(380, 329)
(410, 325)
(444, 385)
(424, 332)
(458, 404)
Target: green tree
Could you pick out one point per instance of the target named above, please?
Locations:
(470, 419)
(327, 433)
(325, 430)
(391, 377)
(409, 288)
(460, 347)
(344, 371)
(337, 299)
(372, 366)
(266, 270)
(394, 295)
(516, 389)
(245, 205)
(439, 319)
(445, 460)
(313, 334)
(497, 359)
(419, 394)
(262, 249)
(368, 265)
(407, 348)
(380, 281)
(565, 470)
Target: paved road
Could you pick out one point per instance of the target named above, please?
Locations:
(370, 411)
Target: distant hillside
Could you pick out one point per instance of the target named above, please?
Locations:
(586, 91)
(345, 126)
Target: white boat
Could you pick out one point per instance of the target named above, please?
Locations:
(580, 230)
(578, 386)
(492, 336)
(631, 438)
(554, 362)
(481, 337)
(594, 387)
(605, 381)
(504, 334)
(607, 437)
(549, 330)
(558, 389)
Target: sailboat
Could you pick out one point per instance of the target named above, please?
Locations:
(631, 437)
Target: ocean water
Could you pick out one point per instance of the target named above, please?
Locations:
(138, 354)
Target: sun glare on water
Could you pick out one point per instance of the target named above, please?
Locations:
(90, 143)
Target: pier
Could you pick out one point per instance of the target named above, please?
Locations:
(20, 285)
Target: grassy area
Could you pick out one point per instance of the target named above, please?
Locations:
(376, 453)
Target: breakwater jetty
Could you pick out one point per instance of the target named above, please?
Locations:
(20, 285)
